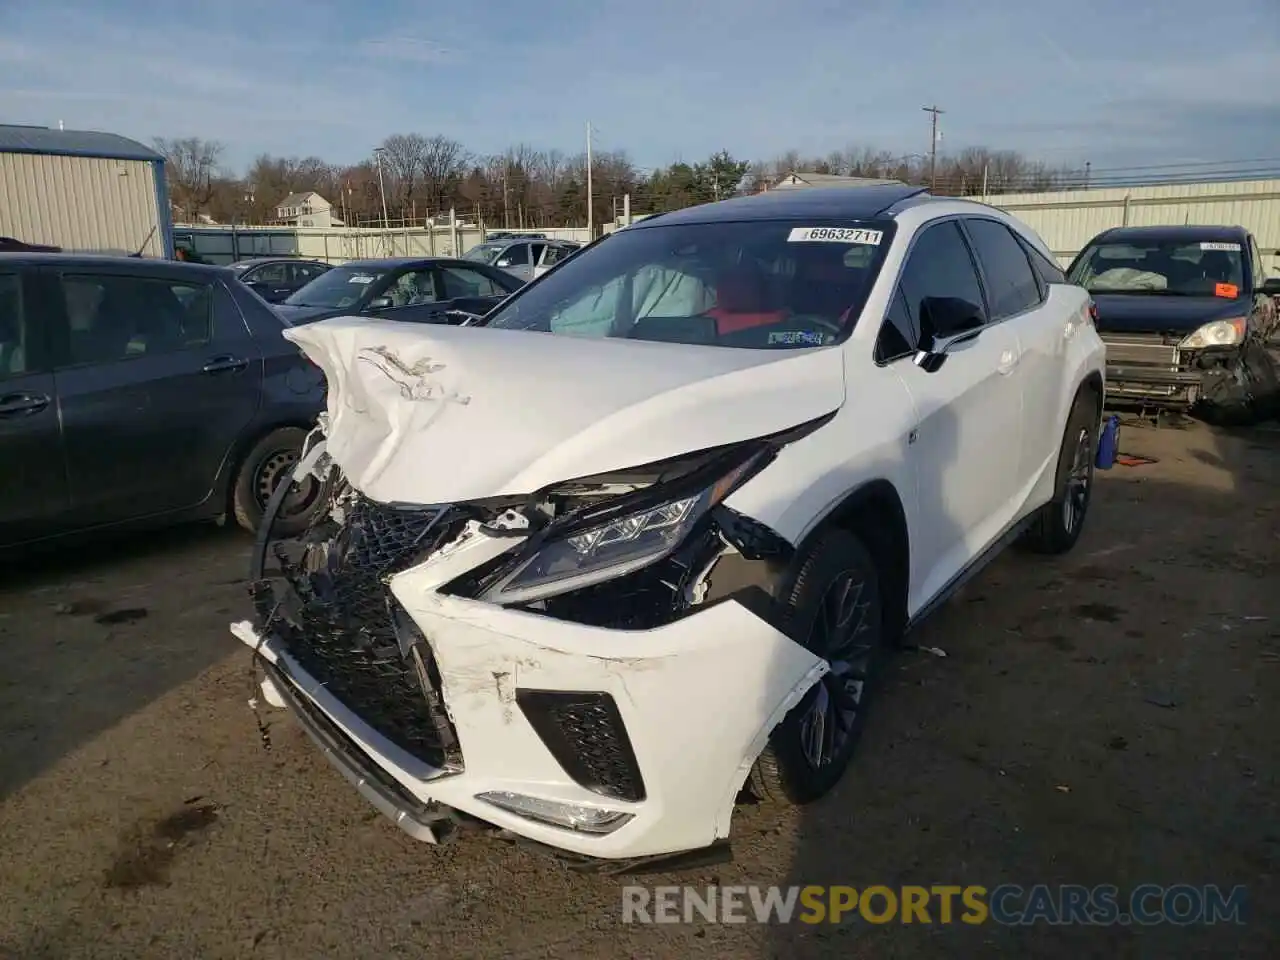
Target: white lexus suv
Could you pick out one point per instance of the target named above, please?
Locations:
(636, 546)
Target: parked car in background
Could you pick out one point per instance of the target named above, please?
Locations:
(142, 391)
(1185, 312)
(12, 245)
(276, 278)
(522, 258)
(647, 537)
(418, 290)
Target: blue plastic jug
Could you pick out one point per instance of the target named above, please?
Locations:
(1109, 443)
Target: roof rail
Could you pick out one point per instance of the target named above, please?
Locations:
(906, 196)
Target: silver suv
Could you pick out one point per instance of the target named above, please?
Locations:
(523, 257)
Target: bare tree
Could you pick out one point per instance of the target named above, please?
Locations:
(404, 157)
(191, 166)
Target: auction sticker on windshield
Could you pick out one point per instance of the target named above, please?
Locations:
(361, 278)
(835, 235)
(1214, 245)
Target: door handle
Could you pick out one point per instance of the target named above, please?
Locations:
(224, 365)
(1008, 360)
(22, 404)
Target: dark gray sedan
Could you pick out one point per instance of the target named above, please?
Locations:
(138, 391)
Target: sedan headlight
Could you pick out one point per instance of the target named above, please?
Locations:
(612, 548)
(1219, 333)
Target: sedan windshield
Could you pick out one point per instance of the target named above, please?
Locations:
(765, 284)
(484, 252)
(1170, 268)
(336, 289)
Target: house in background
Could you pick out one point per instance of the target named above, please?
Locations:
(797, 178)
(307, 209)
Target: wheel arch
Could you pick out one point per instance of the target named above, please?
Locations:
(875, 513)
(225, 491)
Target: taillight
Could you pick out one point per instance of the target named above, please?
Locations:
(1093, 312)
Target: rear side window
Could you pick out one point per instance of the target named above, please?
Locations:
(939, 265)
(1012, 284)
(114, 317)
(270, 273)
(464, 282)
(15, 346)
(1046, 269)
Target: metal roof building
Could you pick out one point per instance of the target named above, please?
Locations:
(83, 191)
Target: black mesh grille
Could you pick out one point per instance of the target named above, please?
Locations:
(340, 624)
(586, 735)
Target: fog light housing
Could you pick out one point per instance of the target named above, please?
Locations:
(557, 813)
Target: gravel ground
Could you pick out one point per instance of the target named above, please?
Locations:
(1108, 717)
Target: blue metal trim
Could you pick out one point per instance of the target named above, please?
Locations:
(164, 212)
(148, 157)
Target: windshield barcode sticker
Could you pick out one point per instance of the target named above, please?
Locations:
(835, 235)
(1228, 247)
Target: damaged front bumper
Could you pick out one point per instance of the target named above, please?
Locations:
(612, 744)
(1149, 369)
(1152, 370)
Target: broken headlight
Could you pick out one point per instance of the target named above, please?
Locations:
(614, 547)
(1219, 333)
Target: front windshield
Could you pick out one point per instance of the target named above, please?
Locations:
(336, 289)
(1168, 268)
(484, 252)
(765, 284)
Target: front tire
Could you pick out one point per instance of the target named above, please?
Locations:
(833, 607)
(1061, 520)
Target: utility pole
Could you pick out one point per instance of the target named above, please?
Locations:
(382, 189)
(591, 227)
(933, 146)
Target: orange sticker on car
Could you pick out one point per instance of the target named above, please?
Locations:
(1228, 290)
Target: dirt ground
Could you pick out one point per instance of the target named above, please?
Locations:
(1109, 717)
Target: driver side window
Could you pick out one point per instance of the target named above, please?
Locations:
(939, 265)
(415, 287)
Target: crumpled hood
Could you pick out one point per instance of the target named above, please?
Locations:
(447, 414)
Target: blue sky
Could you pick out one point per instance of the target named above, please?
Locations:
(1115, 82)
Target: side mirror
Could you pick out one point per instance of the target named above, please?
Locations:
(379, 303)
(1270, 287)
(945, 322)
(504, 262)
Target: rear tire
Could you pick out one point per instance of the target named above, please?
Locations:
(833, 607)
(269, 463)
(1060, 521)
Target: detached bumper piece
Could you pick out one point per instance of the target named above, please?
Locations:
(422, 820)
